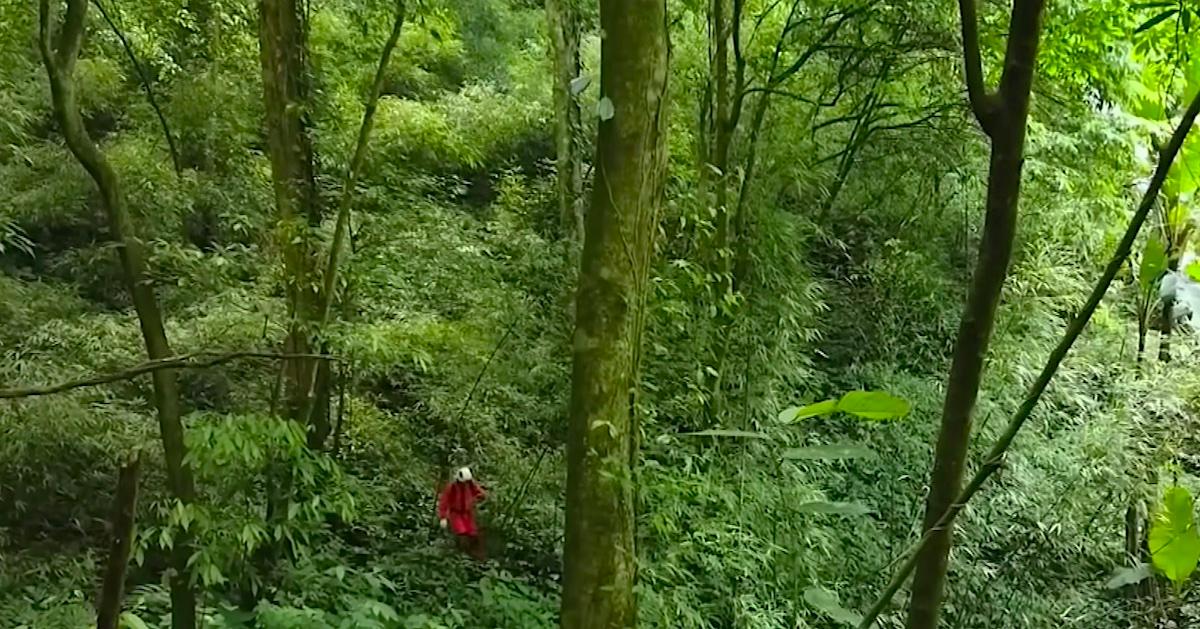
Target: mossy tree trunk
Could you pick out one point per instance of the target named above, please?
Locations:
(60, 59)
(600, 557)
(283, 55)
(1003, 115)
(563, 21)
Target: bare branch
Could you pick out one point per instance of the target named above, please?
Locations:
(199, 360)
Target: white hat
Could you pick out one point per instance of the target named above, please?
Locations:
(462, 475)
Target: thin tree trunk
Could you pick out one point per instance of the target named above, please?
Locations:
(60, 67)
(562, 17)
(726, 112)
(108, 608)
(1003, 116)
(600, 557)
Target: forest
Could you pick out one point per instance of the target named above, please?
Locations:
(691, 314)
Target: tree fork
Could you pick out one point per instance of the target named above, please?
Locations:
(995, 457)
(1003, 116)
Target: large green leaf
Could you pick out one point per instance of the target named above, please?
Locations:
(834, 508)
(1184, 176)
(1174, 542)
(1154, 263)
(827, 603)
(831, 451)
(876, 405)
(804, 412)
(1193, 271)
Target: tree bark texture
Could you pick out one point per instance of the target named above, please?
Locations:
(283, 56)
(1003, 116)
(108, 608)
(600, 556)
(562, 17)
(60, 61)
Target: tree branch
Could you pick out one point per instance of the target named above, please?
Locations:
(360, 153)
(982, 103)
(199, 360)
(995, 456)
(145, 79)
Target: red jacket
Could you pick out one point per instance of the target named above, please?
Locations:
(457, 504)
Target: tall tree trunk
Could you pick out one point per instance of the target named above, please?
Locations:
(631, 157)
(283, 55)
(60, 63)
(562, 17)
(1003, 116)
(108, 608)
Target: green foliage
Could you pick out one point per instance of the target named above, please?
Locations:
(872, 405)
(827, 603)
(752, 519)
(1174, 541)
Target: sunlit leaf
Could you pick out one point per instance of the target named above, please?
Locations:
(827, 603)
(829, 452)
(873, 405)
(805, 412)
(1174, 542)
(1193, 271)
(1154, 263)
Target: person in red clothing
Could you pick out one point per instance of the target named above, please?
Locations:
(456, 510)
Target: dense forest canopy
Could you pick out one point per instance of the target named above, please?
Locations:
(741, 313)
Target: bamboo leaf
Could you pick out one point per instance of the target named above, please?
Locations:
(1154, 21)
(829, 452)
(740, 434)
(834, 508)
